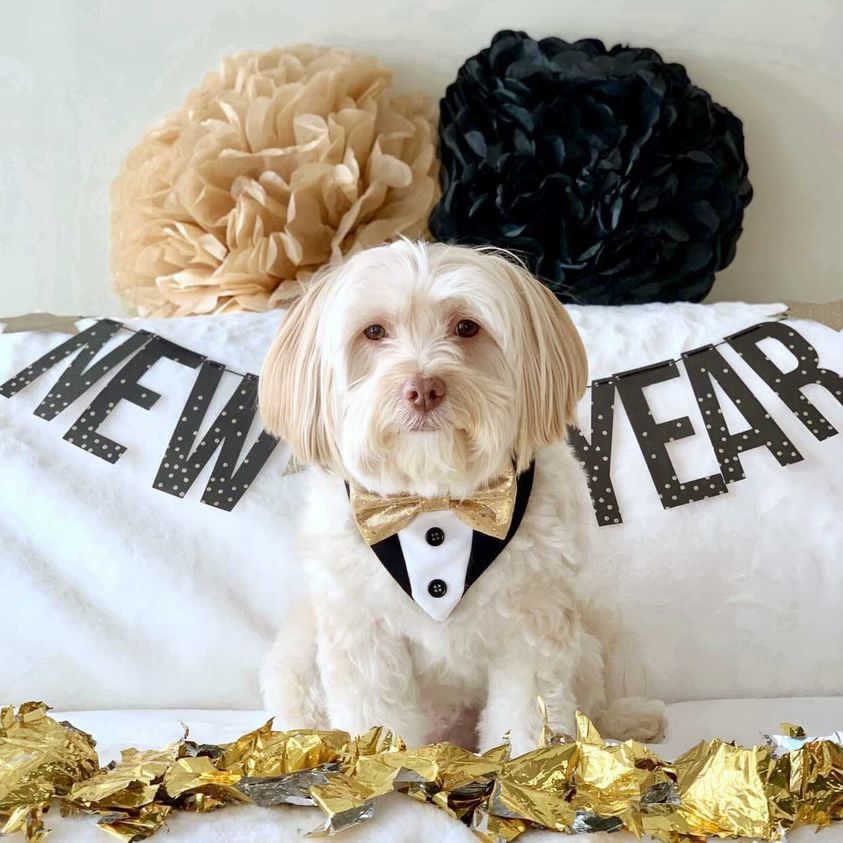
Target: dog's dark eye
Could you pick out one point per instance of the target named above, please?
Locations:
(466, 328)
(375, 332)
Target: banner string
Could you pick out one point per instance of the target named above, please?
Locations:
(137, 331)
(778, 317)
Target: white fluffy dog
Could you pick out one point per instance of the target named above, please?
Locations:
(413, 378)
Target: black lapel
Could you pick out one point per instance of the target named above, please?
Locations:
(485, 549)
(392, 558)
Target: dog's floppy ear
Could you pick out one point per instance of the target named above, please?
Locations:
(295, 388)
(554, 366)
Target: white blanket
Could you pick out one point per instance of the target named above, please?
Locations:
(115, 595)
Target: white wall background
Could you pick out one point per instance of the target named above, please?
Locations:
(81, 79)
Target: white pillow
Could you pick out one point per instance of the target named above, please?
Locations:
(115, 594)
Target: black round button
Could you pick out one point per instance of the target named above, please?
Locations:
(434, 536)
(437, 588)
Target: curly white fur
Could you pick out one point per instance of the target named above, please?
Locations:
(363, 653)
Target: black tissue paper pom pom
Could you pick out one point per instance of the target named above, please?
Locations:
(607, 171)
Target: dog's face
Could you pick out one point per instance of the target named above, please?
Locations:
(423, 368)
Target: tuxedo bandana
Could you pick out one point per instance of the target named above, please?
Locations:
(436, 548)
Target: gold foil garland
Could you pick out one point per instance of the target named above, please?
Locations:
(569, 784)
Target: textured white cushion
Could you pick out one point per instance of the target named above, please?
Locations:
(399, 819)
(118, 595)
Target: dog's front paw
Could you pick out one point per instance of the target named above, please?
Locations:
(634, 718)
(522, 741)
(412, 728)
(522, 733)
(291, 692)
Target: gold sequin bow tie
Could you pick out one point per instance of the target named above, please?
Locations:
(488, 511)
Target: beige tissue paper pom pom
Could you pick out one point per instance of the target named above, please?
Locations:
(280, 162)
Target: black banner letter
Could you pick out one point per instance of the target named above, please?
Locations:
(652, 437)
(788, 385)
(182, 462)
(706, 364)
(77, 377)
(124, 386)
(596, 456)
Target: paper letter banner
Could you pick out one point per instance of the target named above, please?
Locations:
(125, 365)
(704, 367)
(710, 377)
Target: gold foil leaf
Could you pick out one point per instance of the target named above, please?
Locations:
(382, 773)
(536, 787)
(615, 780)
(722, 790)
(462, 801)
(191, 774)
(494, 829)
(7, 717)
(374, 740)
(806, 785)
(39, 758)
(457, 768)
(548, 735)
(29, 819)
(665, 822)
(792, 730)
(129, 783)
(443, 764)
(265, 752)
(587, 731)
(199, 802)
(345, 803)
(781, 744)
(454, 778)
(499, 754)
(131, 827)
